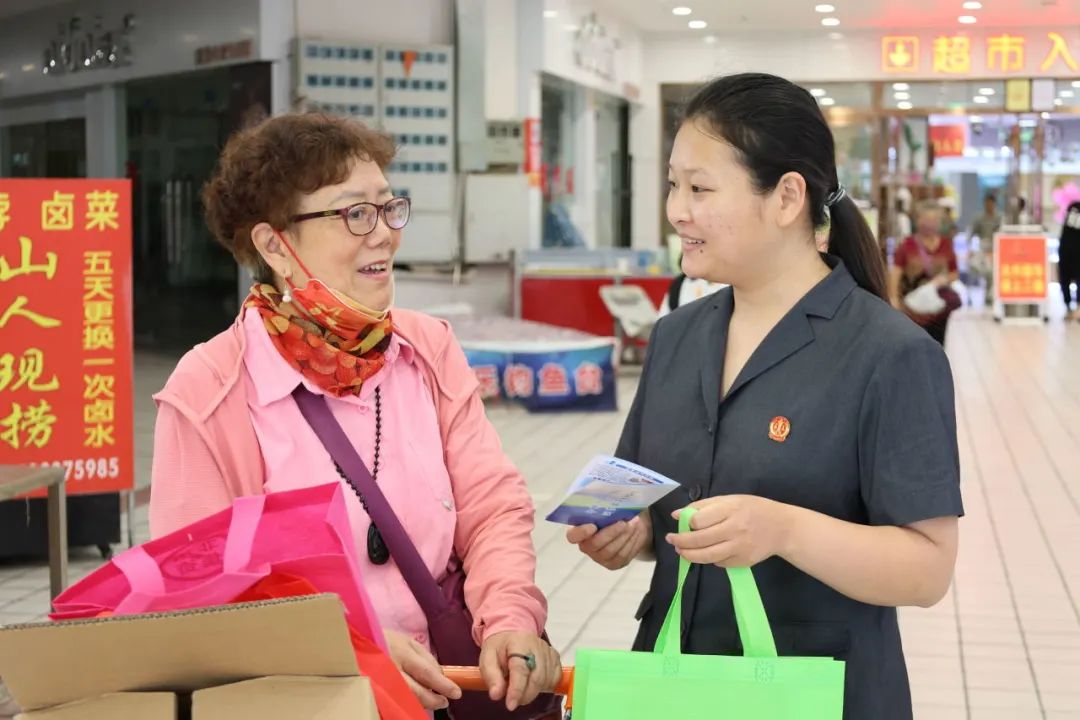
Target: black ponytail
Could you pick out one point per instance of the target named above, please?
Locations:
(851, 240)
(776, 127)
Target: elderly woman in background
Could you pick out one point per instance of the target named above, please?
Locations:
(926, 257)
(302, 200)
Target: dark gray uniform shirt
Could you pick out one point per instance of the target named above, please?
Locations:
(869, 399)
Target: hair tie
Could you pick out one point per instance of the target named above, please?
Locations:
(836, 195)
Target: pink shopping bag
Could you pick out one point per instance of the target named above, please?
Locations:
(303, 532)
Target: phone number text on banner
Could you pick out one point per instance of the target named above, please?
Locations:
(66, 329)
(570, 376)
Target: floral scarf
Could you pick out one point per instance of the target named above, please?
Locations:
(337, 366)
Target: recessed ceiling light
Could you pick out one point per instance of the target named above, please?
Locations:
(824, 8)
(1046, 116)
(901, 86)
(836, 36)
(551, 14)
(818, 92)
(1059, 102)
(967, 19)
(903, 96)
(1067, 94)
(827, 101)
(681, 10)
(710, 39)
(697, 24)
(987, 91)
(830, 22)
(981, 99)
(904, 105)
(973, 5)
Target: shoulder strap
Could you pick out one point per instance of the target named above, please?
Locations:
(319, 416)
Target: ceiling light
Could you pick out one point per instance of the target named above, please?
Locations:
(28, 67)
(975, 119)
(987, 91)
(1067, 94)
(681, 10)
(903, 96)
(836, 36)
(827, 101)
(1076, 83)
(697, 24)
(710, 39)
(1046, 116)
(981, 99)
(818, 92)
(973, 5)
(967, 19)
(1058, 102)
(830, 22)
(904, 105)
(549, 14)
(901, 86)
(824, 8)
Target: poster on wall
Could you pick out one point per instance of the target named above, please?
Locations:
(417, 109)
(66, 330)
(407, 92)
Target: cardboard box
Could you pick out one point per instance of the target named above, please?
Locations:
(277, 659)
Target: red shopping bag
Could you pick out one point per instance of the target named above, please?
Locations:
(303, 532)
(393, 696)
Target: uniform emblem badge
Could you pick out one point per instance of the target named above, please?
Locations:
(779, 429)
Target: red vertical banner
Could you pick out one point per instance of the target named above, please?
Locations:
(532, 151)
(66, 330)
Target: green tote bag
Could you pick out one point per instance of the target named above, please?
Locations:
(666, 684)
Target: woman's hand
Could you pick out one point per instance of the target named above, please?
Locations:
(422, 671)
(509, 677)
(733, 531)
(617, 544)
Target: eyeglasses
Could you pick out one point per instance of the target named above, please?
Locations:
(362, 218)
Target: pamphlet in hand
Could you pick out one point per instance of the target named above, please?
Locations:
(609, 490)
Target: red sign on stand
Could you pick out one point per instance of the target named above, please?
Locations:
(66, 330)
(1020, 268)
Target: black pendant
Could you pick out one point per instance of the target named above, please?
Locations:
(377, 551)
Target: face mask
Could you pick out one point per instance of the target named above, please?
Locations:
(333, 310)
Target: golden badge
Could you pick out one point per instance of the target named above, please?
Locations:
(779, 429)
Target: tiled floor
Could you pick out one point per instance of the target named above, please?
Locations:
(1004, 644)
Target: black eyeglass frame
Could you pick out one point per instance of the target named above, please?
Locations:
(380, 210)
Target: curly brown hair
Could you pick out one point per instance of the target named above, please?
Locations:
(264, 169)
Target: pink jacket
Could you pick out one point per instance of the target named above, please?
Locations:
(206, 454)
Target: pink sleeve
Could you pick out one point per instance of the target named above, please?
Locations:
(494, 510)
(186, 483)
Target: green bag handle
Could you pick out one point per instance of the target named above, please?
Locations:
(754, 630)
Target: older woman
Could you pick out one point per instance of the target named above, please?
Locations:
(302, 200)
(926, 257)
